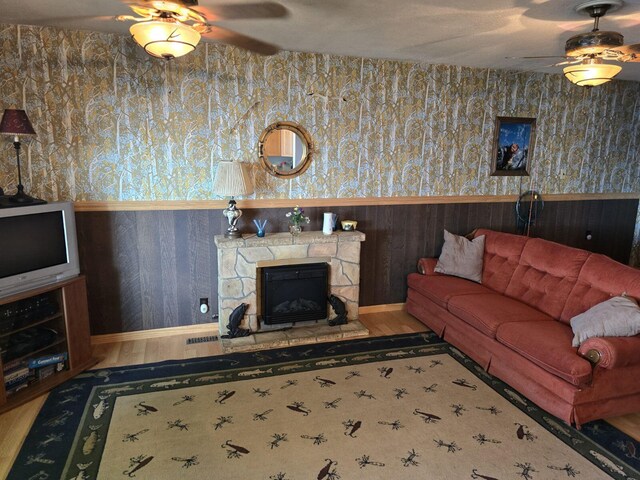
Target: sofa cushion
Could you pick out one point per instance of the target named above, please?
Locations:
(546, 275)
(440, 288)
(600, 279)
(487, 311)
(501, 255)
(461, 257)
(616, 317)
(548, 345)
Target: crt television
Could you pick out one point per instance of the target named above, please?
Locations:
(38, 246)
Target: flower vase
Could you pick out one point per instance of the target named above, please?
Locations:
(295, 229)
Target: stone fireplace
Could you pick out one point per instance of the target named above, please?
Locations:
(240, 260)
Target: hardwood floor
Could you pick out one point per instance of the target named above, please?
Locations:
(15, 424)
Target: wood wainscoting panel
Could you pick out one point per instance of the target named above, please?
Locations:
(148, 269)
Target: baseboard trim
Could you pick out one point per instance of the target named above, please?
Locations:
(388, 307)
(208, 328)
(201, 328)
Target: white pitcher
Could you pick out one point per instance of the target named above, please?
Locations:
(329, 223)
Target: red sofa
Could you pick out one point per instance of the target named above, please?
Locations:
(516, 323)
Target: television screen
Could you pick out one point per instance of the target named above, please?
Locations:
(31, 242)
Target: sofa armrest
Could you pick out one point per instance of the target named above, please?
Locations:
(612, 352)
(426, 266)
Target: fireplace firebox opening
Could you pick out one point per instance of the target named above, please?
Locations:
(294, 293)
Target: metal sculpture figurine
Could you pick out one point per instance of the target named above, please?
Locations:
(235, 319)
(340, 309)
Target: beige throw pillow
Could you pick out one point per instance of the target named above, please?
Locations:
(461, 257)
(616, 317)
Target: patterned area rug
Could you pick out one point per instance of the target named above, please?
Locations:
(407, 406)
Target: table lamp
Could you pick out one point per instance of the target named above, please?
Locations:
(16, 124)
(232, 180)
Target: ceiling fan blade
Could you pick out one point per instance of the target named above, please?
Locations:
(237, 39)
(243, 11)
(541, 56)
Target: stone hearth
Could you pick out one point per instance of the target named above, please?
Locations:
(238, 263)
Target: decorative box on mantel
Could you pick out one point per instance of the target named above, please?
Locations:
(240, 258)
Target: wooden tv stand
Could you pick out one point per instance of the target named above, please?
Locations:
(60, 309)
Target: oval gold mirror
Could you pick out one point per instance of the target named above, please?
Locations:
(285, 149)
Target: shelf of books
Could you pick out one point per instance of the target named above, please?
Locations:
(44, 340)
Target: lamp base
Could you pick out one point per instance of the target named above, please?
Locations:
(232, 213)
(12, 201)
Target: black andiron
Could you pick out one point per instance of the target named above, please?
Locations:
(340, 310)
(235, 319)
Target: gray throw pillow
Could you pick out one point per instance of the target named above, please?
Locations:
(616, 317)
(461, 257)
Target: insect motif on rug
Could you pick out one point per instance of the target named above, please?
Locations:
(133, 437)
(317, 439)
(224, 395)
(278, 476)
(524, 433)
(464, 383)
(59, 420)
(52, 437)
(525, 470)
(457, 409)
(262, 393)
(568, 469)
(185, 398)
(435, 363)
(451, 447)
(427, 417)
(332, 404)
(277, 439)
(299, 407)
(289, 383)
(137, 463)
(353, 373)
(395, 425)
(234, 451)
(144, 409)
(493, 410)
(431, 388)
(351, 427)
(187, 462)
(482, 439)
(364, 394)
(178, 424)
(324, 382)
(475, 474)
(411, 368)
(262, 416)
(222, 421)
(39, 458)
(410, 459)
(328, 472)
(365, 460)
(385, 372)
(399, 393)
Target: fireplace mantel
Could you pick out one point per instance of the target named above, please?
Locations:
(239, 259)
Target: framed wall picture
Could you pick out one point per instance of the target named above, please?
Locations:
(513, 142)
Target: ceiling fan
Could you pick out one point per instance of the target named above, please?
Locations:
(586, 54)
(170, 29)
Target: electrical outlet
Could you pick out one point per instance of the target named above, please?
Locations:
(204, 305)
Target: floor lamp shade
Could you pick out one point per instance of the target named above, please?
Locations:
(16, 123)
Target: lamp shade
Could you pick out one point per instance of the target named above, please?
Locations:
(165, 38)
(16, 123)
(232, 179)
(591, 73)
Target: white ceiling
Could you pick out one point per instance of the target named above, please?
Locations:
(475, 33)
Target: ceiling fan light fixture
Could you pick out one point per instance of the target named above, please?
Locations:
(165, 37)
(591, 73)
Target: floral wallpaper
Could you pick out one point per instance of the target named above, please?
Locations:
(115, 124)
